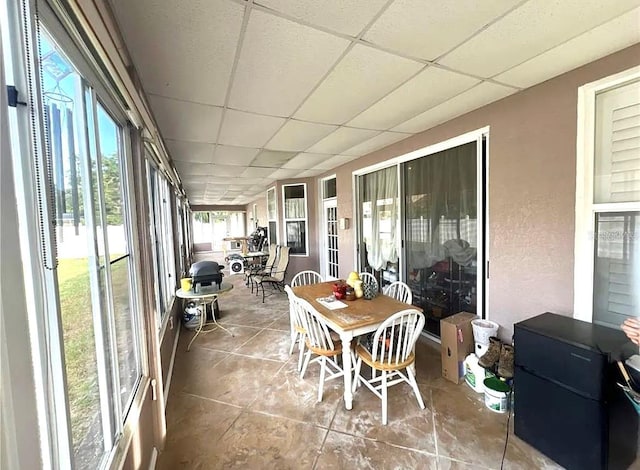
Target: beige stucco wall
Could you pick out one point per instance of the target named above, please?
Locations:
(531, 190)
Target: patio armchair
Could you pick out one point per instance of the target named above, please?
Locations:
(275, 277)
(261, 268)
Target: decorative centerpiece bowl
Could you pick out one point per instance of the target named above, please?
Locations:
(339, 289)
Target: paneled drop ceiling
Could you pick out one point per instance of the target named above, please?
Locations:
(249, 92)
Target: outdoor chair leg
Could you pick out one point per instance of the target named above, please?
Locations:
(305, 364)
(323, 366)
(301, 345)
(384, 397)
(294, 340)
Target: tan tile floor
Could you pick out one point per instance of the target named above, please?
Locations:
(238, 402)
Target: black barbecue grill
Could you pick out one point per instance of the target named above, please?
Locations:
(205, 273)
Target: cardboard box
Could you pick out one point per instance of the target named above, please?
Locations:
(456, 337)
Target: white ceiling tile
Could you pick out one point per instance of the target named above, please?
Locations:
(194, 186)
(334, 162)
(299, 135)
(186, 168)
(341, 139)
(182, 120)
(228, 155)
(534, 27)
(427, 29)
(283, 173)
(606, 39)
(272, 158)
(305, 161)
(257, 172)
(427, 89)
(361, 78)
(252, 182)
(182, 49)
(280, 63)
(310, 173)
(248, 130)
(196, 179)
(376, 143)
(194, 152)
(227, 170)
(343, 16)
(478, 96)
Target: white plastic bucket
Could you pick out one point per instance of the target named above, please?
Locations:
(474, 374)
(483, 330)
(496, 395)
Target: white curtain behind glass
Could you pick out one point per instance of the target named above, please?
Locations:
(380, 216)
(294, 209)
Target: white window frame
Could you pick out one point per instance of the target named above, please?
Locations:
(586, 209)
(269, 220)
(160, 193)
(322, 200)
(40, 280)
(304, 219)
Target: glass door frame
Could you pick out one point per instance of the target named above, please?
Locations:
(481, 137)
(324, 203)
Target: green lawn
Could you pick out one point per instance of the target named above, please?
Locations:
(79, 340)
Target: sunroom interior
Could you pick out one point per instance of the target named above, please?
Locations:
(485, 154)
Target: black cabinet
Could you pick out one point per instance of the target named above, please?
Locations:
(566, 402)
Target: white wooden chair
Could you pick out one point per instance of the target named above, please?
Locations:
(320, 342)
(399, 291)
(297, 329)
(368, 278)
(391, 353)
(304, 278)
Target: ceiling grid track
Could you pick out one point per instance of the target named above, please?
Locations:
(250, 92)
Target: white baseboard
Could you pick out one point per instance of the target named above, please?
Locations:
(171, 364)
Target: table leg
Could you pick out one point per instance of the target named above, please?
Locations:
(346, 365)
(213, 315)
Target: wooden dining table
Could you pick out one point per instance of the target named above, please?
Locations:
(359, 317)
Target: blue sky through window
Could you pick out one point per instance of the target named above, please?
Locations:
(60, 84)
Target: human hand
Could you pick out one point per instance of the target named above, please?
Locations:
(631, 327)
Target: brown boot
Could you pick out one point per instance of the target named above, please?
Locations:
(489, 358)
(505, 365)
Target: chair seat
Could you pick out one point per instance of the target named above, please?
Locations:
(364, 353)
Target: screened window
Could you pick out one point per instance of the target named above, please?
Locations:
(96, 319)
(295, 217)
(161, 226)
(272, 216)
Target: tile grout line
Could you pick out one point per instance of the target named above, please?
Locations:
(433, 423)
(329, 429)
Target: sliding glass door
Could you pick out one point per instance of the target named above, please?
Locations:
(421, 220)
(441, 232)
